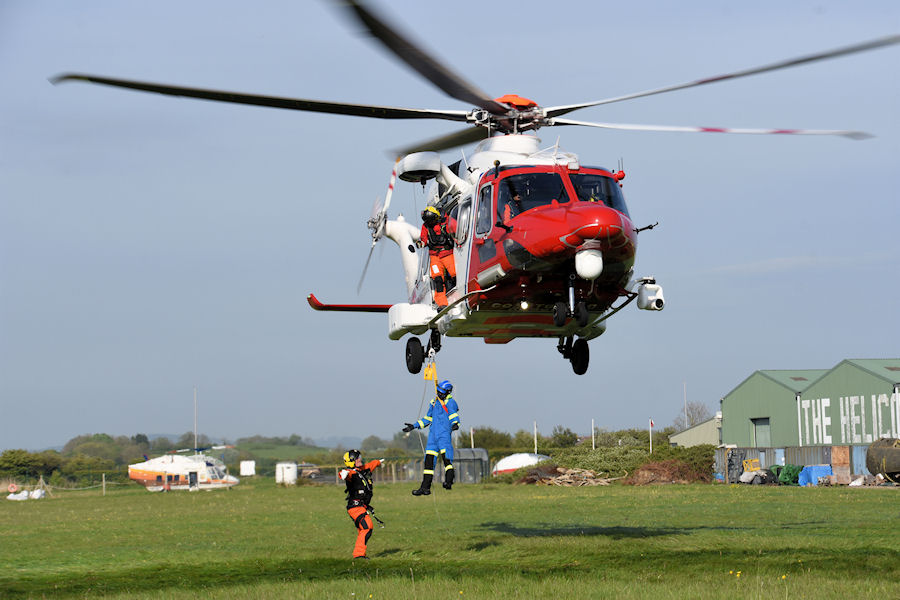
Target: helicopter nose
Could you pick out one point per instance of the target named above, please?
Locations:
(595, 224)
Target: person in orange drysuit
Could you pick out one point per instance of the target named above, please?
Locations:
(437, 235)
(358, 477)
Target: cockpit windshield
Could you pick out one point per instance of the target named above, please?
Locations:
(519, 193)
(590, 187)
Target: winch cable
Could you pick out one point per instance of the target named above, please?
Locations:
(430, 373)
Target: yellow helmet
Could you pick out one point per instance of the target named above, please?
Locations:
(350, 457)
(431, 215)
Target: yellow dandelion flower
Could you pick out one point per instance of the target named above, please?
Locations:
(784, 576)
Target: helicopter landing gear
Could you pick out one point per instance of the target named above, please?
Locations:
(579, 310)
(581, 355)
(434, 342)
(560, 313)
(415, 355)
(582, 316)
(576, 352)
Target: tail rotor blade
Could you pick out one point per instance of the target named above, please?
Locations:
(365, 268)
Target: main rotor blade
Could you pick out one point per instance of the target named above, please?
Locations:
(453, 140)
(854, 135)
(862, 47)
(429, 67)
(356, 110)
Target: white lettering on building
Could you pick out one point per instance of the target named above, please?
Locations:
(804, 404)
(824, 405)
(854, 420)
(862, 420)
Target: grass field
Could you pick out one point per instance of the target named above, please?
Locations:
(476, 541)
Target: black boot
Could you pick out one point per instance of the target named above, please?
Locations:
(428, 475)
(425, 488)
(449, 476)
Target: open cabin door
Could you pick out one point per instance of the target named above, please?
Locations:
(462, 214)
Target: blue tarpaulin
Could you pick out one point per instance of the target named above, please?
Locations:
(811, 474)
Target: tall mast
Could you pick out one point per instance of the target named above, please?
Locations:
(195, 420)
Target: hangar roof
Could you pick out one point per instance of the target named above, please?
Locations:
(885, 368)
(796, 381)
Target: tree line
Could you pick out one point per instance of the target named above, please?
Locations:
(85, 459)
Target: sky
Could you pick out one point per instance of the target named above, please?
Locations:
(151, 244)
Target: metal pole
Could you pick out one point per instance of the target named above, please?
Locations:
(687, 423)
(195, 419)
(471, 437)
(104, 484)
(535, 437)
(593, 443)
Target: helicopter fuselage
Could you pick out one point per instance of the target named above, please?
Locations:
(533, 230)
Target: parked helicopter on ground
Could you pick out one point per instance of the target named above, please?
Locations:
(554, 262)
(175, 471)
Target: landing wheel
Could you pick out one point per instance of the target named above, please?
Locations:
(581, 314)
(565, 347)
(560, 313)
(434, 341)
(581, 355)
(415, 355)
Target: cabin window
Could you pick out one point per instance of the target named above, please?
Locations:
(483, 221)
(590, 187)
(519, 193)
(462, 213)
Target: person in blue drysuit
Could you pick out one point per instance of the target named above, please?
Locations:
(443, 417)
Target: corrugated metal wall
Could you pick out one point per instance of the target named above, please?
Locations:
(768, 457)
(808, 455)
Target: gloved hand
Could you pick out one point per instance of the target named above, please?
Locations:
(408, 427)
(455, 426)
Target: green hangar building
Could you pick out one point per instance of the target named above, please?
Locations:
(814, 416)
(856, 402)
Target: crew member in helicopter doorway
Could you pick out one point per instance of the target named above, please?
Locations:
(358, 477)
(437, 232)
(443, 417)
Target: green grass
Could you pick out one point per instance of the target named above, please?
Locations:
(477, 541)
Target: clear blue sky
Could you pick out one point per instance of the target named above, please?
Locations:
(149, 244)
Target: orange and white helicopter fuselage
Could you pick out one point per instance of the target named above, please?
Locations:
(177, 472)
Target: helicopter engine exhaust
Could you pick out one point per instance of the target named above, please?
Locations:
(650, 297)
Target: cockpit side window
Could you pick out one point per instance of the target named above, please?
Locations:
(519, 193)
(591, 187)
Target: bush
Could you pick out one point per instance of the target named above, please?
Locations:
(612, 462)
(700, 459)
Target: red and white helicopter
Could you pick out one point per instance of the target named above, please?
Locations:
(543, 246)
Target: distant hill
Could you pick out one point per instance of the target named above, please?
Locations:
(335, 441)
